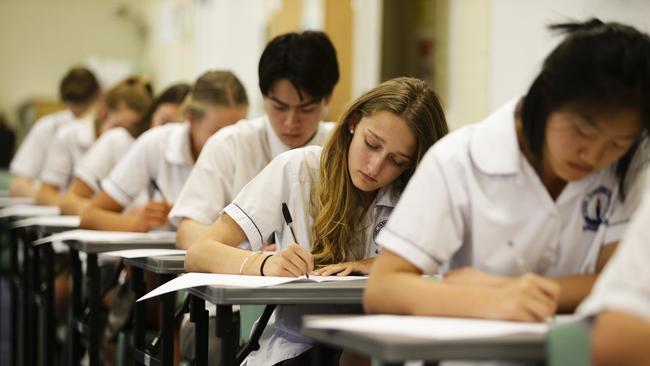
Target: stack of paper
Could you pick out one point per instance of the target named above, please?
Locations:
(109, 236)
(50, 221)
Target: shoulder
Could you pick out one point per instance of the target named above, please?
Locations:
(115, 135)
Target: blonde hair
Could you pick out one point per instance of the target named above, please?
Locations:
(136, 93)
(212, 89)
(338, 232)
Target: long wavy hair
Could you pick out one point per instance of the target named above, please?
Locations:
(336, 204)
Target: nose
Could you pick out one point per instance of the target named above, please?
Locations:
(594, 153)
(291, 120)
(375, 165)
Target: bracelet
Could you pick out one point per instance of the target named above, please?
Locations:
(241, 268)
(263, 262)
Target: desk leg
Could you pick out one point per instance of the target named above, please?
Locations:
(167, 324)
(49, 322)
(29, 309)
(199, 316)
(94, 300)
(36, 338)
(74, 338)
(227, 333)
(137, 285)
(15, 292)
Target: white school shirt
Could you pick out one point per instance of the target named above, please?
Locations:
(66, 150)
(30, 157)
(624, 285)
(257, 209)
(474, 192)
(162, 154)
(102, 156)
(230, 159)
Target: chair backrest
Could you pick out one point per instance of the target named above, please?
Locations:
(568, 344)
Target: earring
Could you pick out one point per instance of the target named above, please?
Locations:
(351, 131)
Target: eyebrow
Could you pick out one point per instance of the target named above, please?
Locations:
(285, 104)
(384, 141)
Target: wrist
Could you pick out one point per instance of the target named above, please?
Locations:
(264, 263)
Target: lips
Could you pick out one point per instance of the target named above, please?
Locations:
(367, 178)
(581, 168)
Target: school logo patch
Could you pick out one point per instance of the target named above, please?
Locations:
(380, 225)
(594, 207)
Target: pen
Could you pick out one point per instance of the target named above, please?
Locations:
(155, 187)
(289, 220)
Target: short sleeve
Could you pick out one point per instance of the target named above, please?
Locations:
(426, 226)
(257, 208)
(102, 157)
(131, 175)
(209, 187)
(59, 164)
(625, 283)
(31, 155)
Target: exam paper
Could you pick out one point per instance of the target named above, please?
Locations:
(435, 328)
(58, 221)
(139, 253)
(193, 279)
(29, 210)
(109, 236)
(13, 201)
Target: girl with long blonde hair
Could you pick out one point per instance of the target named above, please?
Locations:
(339, 197)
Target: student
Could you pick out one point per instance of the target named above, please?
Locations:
(125, 104)
(531, 201)
(297, 73)
(339, 197)
(113, 144)
(621, 299)
(78, 90)
(161, 159)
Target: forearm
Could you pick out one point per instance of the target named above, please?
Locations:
(573, 289)
(22, 187)
(620, 339)
(71, 204)
(96, 218)
(210, 256)
(189, 233)
(47, 196)
(409, 293)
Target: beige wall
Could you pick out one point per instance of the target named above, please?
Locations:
(41, 39)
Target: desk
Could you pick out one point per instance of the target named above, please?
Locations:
(394, 350)
(302, 293)
(92, 247)
(165, 267)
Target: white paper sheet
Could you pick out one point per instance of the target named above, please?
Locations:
(139, 253)
(190, 280)
(109, 236)
(29, 210)
(13, 201)
(434, 328)
(58, 221)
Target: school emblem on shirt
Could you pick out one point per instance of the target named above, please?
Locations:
(594, 207)
(380, 225)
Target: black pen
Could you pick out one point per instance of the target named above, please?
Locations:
(289, 221)
(155, 187)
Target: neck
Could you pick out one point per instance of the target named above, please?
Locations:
(367, 198)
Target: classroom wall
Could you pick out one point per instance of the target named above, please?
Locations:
(41, 39)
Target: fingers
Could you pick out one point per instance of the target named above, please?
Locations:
(268, 247)
(297, 260)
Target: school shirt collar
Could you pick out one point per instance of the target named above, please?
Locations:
(178, 151)
(493, 147)
(277, 146)
(86, 135)
(386, 198)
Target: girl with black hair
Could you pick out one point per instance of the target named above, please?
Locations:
(525, 207)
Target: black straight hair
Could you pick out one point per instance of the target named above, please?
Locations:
(307, 60)
(599, 66)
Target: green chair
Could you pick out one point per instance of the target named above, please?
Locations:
(568, 344)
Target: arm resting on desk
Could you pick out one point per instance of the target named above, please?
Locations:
(189, 233)
(76, 198)
(48, 195)
(22, 186)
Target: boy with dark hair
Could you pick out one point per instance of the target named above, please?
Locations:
(78, 90)
(297, 74)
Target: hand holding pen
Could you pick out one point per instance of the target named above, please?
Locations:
(293, 260)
